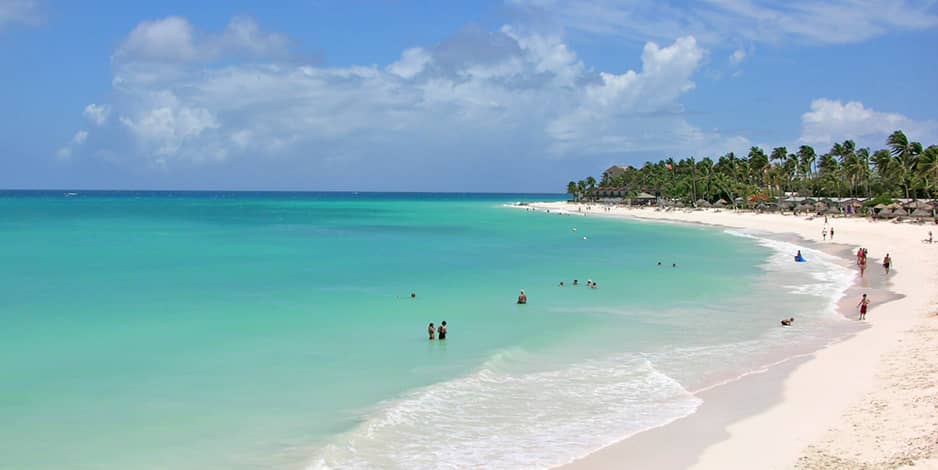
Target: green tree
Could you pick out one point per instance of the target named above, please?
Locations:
(906, 153)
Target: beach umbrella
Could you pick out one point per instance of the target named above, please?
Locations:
(918, 205)
(922, 213)
(880, 206)
(833, 210)
(894, 206)
(807, 207)
(720, 203)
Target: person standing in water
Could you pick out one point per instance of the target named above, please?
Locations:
(522, 298)
(442, 330)
(431, 330)
(887, 262)
(864, 305)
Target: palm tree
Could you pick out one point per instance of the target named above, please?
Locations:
(571, 189)
(591, 187)
(806, 158)
(926, 170)
(906, 153)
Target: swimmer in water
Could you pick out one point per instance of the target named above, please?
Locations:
(431, 330)
(413, 295)
(442, 330)
(788, 321)
(522, 298)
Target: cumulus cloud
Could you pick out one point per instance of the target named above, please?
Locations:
(713, 21)
(65, 151)
(831, 121)
(411, 63)
(19, 11)
(174, 39)
(98, 114)
(737, 57)
(506, 90)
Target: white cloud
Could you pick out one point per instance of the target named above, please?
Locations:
(831, 121)
(80, 137)
(166, 124)
(65, 151)
(714, 21)
(737, 57)
(411, 63)
(98, 114)
(174, 39)
(19, 11)
(499, 90)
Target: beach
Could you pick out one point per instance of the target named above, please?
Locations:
(869, 401)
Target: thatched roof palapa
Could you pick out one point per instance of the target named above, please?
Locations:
(702, 203)
(922, 213)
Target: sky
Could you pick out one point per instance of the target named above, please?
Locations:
(486, 96)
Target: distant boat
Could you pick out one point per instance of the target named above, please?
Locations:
(70, 194)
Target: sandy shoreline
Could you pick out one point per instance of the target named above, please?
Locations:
(870, 401)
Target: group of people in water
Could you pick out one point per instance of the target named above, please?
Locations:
(589, 283)
(434, 331)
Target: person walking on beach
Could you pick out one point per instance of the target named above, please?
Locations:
(864, 304)
(431, 330)
(824, 233)
(442, 330)
(887, 262)
(832, 233)
(862, 264)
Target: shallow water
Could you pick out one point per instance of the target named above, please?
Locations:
(258, 330)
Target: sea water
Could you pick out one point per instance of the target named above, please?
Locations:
(277, 330)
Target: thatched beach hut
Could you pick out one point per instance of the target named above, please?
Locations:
(702, 203)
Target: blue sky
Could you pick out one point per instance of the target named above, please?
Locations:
(513, 95)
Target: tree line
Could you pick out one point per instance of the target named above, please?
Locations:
(904, 169)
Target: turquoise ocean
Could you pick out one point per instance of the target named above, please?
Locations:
(224, 330)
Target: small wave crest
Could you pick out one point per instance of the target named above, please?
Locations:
(823, 276)
(494, 418)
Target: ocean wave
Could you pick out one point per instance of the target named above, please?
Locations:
(497, 418)
(823, 276)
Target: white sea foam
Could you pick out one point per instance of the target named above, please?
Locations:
(499, 419)
(828, 277)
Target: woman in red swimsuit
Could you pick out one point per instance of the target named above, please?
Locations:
(864, 302)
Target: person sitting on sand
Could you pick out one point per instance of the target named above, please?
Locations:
(864, 304)
(431, 330)
(442, 330)
(788, 321)
(522, 298)
(887, 262)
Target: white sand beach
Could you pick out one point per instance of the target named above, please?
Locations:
(867, 402)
